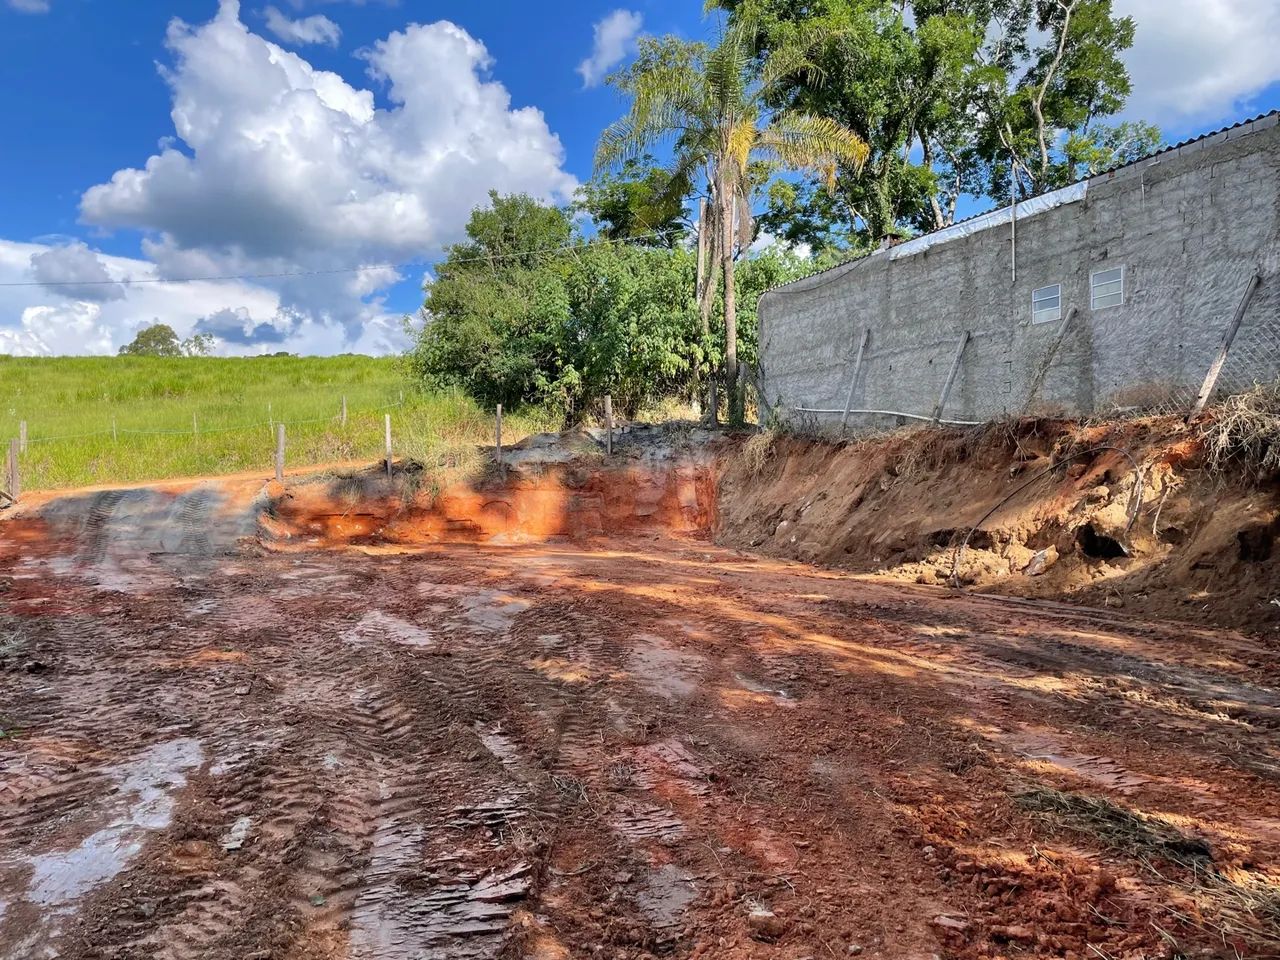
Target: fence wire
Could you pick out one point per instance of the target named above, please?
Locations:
(210, 431)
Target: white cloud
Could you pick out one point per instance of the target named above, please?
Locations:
(615, 38)
(30, 6)
(246, 317)
(279, 167)
(305, 30)
(1198, 61)
(73, 270)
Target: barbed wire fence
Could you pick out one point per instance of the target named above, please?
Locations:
(20, 446)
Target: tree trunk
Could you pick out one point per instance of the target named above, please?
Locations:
(707, 226)
(727, 205)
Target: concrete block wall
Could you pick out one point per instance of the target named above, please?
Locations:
(1189, 226)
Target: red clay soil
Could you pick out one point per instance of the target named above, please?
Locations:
(1201, 544)
(273, 745)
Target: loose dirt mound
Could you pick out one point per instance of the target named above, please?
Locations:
(1173, 539)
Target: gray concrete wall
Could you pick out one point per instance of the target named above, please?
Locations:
(1190, 226)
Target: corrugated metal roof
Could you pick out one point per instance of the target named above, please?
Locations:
(1095, 176)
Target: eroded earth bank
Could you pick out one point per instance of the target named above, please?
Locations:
(599, 708)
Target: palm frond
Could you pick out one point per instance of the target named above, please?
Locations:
(807, 142)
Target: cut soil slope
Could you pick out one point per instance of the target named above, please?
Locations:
(1173, 540)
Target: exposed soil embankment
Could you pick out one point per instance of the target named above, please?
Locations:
(549, 487)
(1171, 538)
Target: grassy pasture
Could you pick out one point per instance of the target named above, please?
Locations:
(70, 403)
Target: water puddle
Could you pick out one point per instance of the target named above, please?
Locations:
(489, 610)
(754, 686)
(141, 802)
(666, 893)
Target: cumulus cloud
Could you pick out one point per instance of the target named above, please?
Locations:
(615, 38)
(246, 318)
(238, 326)
(76, 272)
(47, 330)
(1197, 61)
(305, 30)
(279, 167)
(30, 6)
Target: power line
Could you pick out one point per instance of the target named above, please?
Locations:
(342, 270)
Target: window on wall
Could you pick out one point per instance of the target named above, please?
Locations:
(1046, 304)
(1107, 288)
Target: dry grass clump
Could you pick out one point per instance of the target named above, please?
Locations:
(1238, 906)
(758, 451)
(1123, 830)
(1244, 431)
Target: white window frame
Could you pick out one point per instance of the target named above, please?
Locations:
(1042, 295)
(1097, 301)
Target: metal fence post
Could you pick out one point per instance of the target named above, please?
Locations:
(608, 424)
(951, 377)
(15, 481)
(280, 453)
(1229, 335)
(344, 409)
(853, 381)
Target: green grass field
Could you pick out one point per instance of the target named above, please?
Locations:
(102, 420)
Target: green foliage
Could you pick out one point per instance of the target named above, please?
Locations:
(562, 329)
(960, 97)
(640, 201)
(1106, 147)
(157, 340)
(718, 108)
(160, 340)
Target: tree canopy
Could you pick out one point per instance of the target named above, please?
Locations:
(985, 98)
(161, 340)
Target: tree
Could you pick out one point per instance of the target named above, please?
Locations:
(160, 340)
(953, 97)
(563, 322)
(157, 340)
(638, 202)
(716, 107)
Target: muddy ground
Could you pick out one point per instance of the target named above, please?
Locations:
(231, 741)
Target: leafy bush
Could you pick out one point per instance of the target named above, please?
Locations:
(525, 313)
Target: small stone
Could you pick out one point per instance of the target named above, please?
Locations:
(855, 949)
(765, 924)
(945, 922)
(35, 666)
(1013, 933)
(317, 900)
(243, 691)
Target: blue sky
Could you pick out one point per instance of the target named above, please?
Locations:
(210, 138)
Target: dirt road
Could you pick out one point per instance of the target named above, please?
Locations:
(622, 749)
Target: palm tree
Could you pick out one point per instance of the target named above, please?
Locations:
(713, 107)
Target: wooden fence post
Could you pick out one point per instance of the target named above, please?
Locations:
(195, 426)
(951, 378)
(1229, 335)
(280, 453)
(498, 435)
(344, 409)
(115, 436)
(608, 424)
(15, 482)
(22, 436)
(853, 381)
(388, 439)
